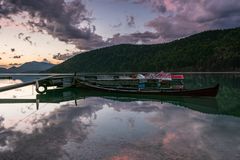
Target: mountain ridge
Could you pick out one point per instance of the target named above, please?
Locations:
(214, 51)
(28, 67)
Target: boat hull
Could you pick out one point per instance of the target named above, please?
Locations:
(205, 92)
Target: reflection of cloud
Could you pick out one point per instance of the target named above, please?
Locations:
(131, 122)
(46, 143)
(163, 131)
(168, 138)
(122, 157)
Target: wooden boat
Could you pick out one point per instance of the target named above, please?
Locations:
(204, 92)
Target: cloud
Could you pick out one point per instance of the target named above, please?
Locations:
(17, 57)
(177, 19)
(46, 60)
(71, 22)
(116, 25)
(20, 35)
(28, 39)
(61, 57)
(134, 38)
(130, 21)
(65, 20)
(170, 28)
(15, 64)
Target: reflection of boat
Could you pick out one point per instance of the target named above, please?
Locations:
(206, 92)
(205, 105)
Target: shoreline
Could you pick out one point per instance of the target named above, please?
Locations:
(206, 72)
(70, 74)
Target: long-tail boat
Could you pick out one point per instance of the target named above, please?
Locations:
(146, 84)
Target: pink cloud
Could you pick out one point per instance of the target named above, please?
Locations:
(169, 138)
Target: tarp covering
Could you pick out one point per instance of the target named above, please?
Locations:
(160, 75)
(177, 76)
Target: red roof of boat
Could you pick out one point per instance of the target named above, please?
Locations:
(177, 76)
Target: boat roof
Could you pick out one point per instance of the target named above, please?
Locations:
(163, 76)
(180, 76)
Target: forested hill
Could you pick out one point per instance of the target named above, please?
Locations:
(207, 51)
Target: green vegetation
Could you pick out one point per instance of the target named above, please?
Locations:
(207, 51)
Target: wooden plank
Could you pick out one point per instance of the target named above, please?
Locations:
(19, 85)
(3, 101)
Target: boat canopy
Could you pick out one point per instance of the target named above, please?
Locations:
(160, 76)
(180, 76)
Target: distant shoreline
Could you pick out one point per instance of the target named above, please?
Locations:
(69, 74)
(207, 72)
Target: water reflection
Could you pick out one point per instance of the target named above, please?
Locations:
(98, 128)
(76, 124)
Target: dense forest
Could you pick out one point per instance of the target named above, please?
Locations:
(217, 50)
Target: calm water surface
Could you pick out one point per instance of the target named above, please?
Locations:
(84, 125)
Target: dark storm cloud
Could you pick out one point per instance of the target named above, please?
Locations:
(60, 19)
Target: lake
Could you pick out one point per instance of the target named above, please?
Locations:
(85, 125)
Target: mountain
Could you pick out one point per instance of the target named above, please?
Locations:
(2, 70)
(29, 67)
(217, 50)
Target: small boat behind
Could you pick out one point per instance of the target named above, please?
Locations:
(146, 84)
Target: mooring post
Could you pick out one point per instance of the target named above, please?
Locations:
(37, 103)
(74, 79)
(37, 85)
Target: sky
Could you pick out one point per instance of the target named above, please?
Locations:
(55, 30)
